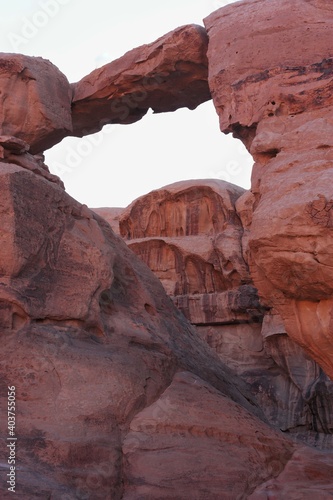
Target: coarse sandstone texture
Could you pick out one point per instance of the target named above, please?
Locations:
(117, 394)
(304, 477)
(35, 101)
(90, 339)
(271, 77)
(165, 75)
(16, 151)
(111, 215)
(190, 235)
(227, 466)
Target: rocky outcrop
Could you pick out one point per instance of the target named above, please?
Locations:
(39, 106)
(305, 476)
(165, 75)
(190, 235)
(272, 88)
(118, 396)
(35, 101)
(89, 340)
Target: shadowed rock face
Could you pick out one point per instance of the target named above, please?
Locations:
(272, 87)
(190, 235)
(165, 75)
(89, 339)
(311, 467)
(163, 433)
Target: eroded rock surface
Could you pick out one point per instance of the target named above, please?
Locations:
(89, 339)
(182, 441)
(165, 75)
(272, 87)
(117, 394)
(190, 235)
(304, 477)
(35, 101)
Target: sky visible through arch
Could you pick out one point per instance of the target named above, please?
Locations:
(122, 162)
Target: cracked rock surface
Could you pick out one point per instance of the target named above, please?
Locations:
(272, 87)
(190, 235)
(118, 395)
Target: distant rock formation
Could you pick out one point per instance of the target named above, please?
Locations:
(190, 235)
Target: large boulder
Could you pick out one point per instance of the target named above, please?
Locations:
(228, 466)
(35, 101)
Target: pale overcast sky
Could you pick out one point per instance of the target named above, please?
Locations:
(120, 163)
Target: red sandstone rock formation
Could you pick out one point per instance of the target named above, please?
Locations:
(35, 101)
(189, 234)
(272, 87)
(304, 477)
(89, 339)
(165, 75)
(177, 431)
(117, 395)
(194, 226)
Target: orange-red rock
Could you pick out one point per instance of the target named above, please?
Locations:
(294, 393)
(89, 339)
(165, 75)
(189, 234)
(111, 215)
(35, 101)
(271, 77)
(117, 394)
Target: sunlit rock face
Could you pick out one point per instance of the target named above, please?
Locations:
(271, 77)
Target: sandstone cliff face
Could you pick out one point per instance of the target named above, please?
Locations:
(194, 236)
(190, 235)
(272, 87)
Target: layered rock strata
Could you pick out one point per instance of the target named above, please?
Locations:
(190, 235)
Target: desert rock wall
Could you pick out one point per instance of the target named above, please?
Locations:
(271, 77)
